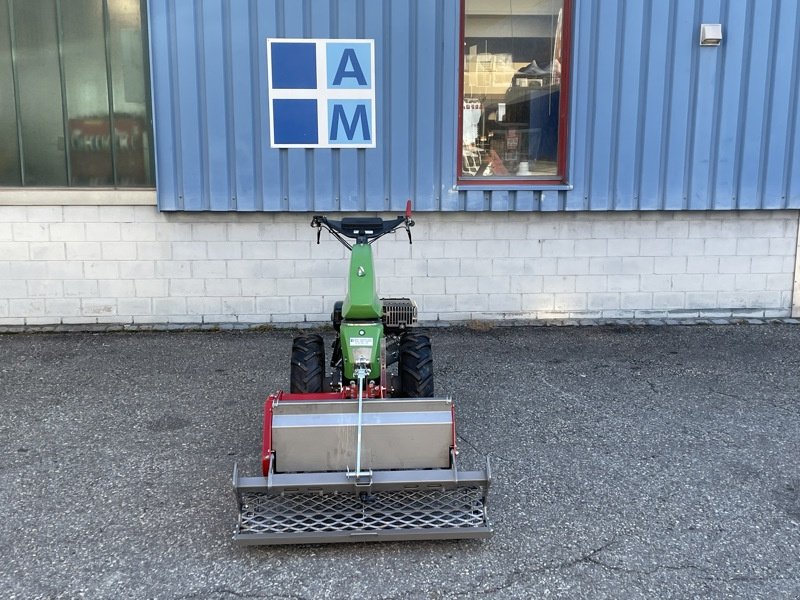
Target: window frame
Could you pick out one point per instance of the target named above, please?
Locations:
(76, 194)
(561, 180)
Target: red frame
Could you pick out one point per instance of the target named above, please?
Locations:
(563, 112)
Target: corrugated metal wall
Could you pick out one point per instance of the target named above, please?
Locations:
(657, 122)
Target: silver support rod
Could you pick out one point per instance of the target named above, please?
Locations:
(361, 373)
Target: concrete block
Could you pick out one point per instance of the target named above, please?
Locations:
(719, 282)
(499, 284)
(209, 232)
(151, 288)
(541, 266)
(702, 264)
(437, 303)
(538, 302)
(623, 283)
(505, 302)
(45, 288)
(669, 300)
(603, 301)
(591, 248)
(15, 288)
(209, 269)
(573, 266)
(461, 285)
(558, 248)
(669, 264)
(61, 307)
(116, 214)
(685, 283)
(44, 214)
(47, 250)
(591, 284)
(623, 247)
(493, 248)
(202, 306)
(170, 306)
(259, 287)
(81, 214)
(460, 249)
(750, 282)
(30, 232)
(118, 250)
(186, 287)
(137, 232)
(508, 266)
(425, 285)
(571, 302)
(293, 250)
(635, 301)
(153, 250)
(106, 269)
(525, 284)
(14, 250)
(238, 306)
(302, 305)
(28, 269)
(80, 288)
(701, 300)
(134, 306)
(611, 265)
(96, 307)
(103, 232)
(472, 302)
(734, 264)
(752, 246)
(116, 288)
(292, 286)
(67, 232)
(224, 250)
(83, 250)
(272, 305)
(223, 287)
(758, 264)
(448, 266)
(558, 284)
(525, 248)
(655, 283)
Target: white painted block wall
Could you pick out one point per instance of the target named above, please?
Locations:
(134, 265)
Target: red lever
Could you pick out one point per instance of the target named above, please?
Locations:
(408, 209)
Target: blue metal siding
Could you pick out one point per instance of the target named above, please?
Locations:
(656, 122)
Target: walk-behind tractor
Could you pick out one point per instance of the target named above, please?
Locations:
(366, 452)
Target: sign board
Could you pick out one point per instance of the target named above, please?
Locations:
(321, 93)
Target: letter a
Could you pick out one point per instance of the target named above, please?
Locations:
(349, 55)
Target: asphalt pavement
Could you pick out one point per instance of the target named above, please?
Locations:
(628, 462)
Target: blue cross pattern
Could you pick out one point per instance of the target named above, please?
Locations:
(322, 93)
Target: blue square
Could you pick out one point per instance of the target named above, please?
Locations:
(294, 65)
(295, 121)
(349, 121)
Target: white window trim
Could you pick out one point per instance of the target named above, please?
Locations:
(76, 197)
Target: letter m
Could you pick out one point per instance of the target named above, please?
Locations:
(359, 115)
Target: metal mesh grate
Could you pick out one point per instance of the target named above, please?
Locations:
(399, 312)
(381, 511)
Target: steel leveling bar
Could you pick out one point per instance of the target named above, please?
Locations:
(312, 508)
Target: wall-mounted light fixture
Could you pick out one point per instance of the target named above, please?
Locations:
(710, 34)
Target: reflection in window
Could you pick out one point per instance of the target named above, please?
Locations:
(74, 73)
(512, 88)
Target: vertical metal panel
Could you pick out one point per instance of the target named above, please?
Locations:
(656, 122)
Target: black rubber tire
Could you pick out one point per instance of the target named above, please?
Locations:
(415, 366)
(307, 372)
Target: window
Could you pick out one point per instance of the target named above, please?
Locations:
(75, 94)
(514, 91)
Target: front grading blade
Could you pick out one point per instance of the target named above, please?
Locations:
(314, 508)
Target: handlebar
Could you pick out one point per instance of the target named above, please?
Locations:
(364, 230)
